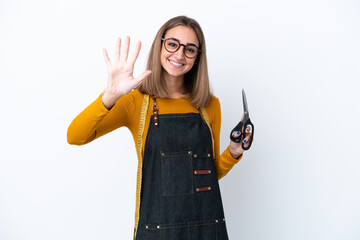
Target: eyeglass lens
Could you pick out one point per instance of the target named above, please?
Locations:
(172, 45)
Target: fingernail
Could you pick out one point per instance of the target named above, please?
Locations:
(238, 133)
(244, 141)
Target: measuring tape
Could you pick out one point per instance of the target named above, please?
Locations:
(206, 117)
(140, 160)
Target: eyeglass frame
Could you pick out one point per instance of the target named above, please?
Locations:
(180, 44)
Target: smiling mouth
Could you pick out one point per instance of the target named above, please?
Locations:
(176, 64)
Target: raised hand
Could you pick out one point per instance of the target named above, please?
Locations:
(120, 73)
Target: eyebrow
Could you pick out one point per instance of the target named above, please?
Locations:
(191, 44)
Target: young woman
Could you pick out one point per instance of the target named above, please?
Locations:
(175, 123)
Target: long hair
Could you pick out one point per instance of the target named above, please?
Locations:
(196, 81)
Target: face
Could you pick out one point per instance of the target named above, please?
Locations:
(177, 64)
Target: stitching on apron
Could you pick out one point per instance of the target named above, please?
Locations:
(185, 224)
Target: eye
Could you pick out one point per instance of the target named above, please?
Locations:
(191, 49)
(172, 44)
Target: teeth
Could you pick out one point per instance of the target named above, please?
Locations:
(177, 64)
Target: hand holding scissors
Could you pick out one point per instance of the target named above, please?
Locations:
(244, 131)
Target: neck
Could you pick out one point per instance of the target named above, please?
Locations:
(175, 86)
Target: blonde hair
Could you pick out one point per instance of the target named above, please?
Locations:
(196, 81)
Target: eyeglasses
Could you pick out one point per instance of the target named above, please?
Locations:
(172, 45)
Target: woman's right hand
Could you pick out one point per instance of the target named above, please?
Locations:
(120, 73)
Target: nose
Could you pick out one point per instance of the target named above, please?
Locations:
(180, 53)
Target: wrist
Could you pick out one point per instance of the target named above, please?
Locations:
(235, 154)
(108, 99)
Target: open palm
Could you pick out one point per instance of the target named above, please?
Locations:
(120, 73)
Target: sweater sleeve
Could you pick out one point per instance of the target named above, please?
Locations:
(225, 161)
(96, 120)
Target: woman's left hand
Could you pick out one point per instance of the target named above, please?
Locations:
(235, 148)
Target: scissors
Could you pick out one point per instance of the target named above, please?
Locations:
(242, 125)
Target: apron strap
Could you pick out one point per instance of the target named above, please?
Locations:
(206, 118)
(140, 160)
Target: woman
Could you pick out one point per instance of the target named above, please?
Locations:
(175, 123)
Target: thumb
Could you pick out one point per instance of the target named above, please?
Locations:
(142, 76)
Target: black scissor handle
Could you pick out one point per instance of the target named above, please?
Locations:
(240, 138)
(238, 128)
(248, 123)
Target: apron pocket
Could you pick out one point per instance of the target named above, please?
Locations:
(204, 170)
(210, 230)
(199, 230)
(177, 173)
(170, 231)
(153, 234)
(221, 233)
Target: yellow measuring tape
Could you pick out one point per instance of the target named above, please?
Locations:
(206, 117)
(140, 159)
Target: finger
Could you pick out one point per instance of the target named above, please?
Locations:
(236, 134)
(117, 50)
(246, 140)
(248, 133)
(106, 57)
(248, 129)
(135, 55)
(125, 51)
(242, 117)
(142, 76)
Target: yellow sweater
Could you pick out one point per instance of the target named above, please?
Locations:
(95, 121)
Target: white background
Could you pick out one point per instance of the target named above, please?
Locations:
(297, 60)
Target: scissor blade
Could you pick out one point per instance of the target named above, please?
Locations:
(245, 102)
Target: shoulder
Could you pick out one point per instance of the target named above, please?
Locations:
(214, 104)
(214, 111)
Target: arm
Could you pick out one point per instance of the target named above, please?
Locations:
(97, 119)
(224, 162)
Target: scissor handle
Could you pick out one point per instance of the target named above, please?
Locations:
(238, 128)
(240, 138)
(248, 123)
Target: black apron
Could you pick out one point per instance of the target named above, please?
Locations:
(180, 196)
